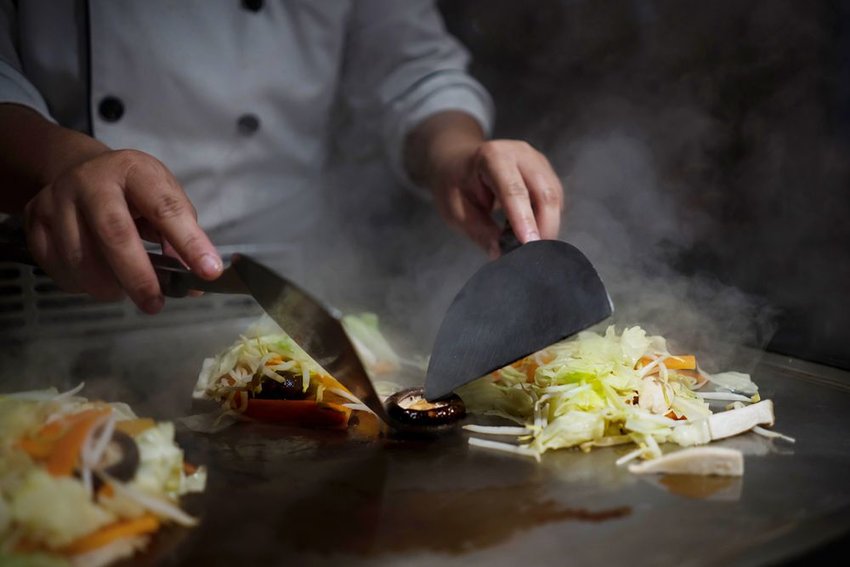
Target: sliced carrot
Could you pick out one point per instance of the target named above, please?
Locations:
(40, 444)
(63, 458)
(133, 427)
(679, 362)
(37, 448)
(143, 525)
(301, 413)
(105, 491)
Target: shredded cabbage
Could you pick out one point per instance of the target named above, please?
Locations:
(601, 389)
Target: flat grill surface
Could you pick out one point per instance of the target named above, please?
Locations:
(281, 496)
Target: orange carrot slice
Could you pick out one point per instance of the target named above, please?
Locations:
(63, 458)
(143, 525)
(679, 362)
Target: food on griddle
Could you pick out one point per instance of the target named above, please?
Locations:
(601, 390)
(86, 482)
(266, 376)
(410, 408)
(715, 461)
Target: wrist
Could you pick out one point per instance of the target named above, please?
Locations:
(39, 153)
(441, 146)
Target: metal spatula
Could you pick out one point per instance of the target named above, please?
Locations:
(532, 296)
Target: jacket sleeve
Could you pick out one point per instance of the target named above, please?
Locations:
(14, 86)
(402, 66)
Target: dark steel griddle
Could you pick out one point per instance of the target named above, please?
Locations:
(279, 496)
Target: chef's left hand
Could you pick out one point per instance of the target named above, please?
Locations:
(471, 177)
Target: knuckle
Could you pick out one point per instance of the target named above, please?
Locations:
(515, 189)
(115, 228)
(488, 151)
(549, 196)
(168, 207)
(127, 157)
(74, 258)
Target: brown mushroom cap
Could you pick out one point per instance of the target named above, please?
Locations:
(417, 415)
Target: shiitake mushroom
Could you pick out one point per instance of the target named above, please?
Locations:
(413, 414)
(290, 387)
(121, 458)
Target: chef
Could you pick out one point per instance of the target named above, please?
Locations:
(184, 122)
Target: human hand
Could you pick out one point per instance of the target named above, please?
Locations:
(85, 229)
(474, 180)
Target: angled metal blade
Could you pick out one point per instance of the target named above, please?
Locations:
(316, 328)
(530, 298)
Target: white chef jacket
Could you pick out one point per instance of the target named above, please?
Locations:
(237, 97)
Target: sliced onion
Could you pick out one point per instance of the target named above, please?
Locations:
(505, 447)
(498, 429)
(156, 504)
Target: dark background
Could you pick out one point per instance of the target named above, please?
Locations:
(742, 110)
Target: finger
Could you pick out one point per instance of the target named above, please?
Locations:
(110, 222)
(475, 222)
(65, 240)
(160, 199)
(505, 180)
(41, 244)
(96, 277)
(546, 198)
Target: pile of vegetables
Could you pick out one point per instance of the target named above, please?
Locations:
(86, 482)
(264, 375)
(601, 390)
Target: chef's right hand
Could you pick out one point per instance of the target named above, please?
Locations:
(85, 229)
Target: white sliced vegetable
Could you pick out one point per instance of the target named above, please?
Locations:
(732, 422)
(717, 461)
(772, 434)
(504, 447)
(498, 429)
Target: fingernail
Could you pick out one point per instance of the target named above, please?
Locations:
(153, 305)
(532, 235)
(210, 265)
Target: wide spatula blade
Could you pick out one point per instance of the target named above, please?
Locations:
(536, 295)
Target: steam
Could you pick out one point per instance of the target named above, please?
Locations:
(625, 217)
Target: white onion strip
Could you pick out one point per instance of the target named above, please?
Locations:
(504, 447)
(498, 429)
(155, 504)
(772, 434)
(89, 449)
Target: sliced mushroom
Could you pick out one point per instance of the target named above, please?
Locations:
(290, 387)
(415, 414)
(121, 458)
